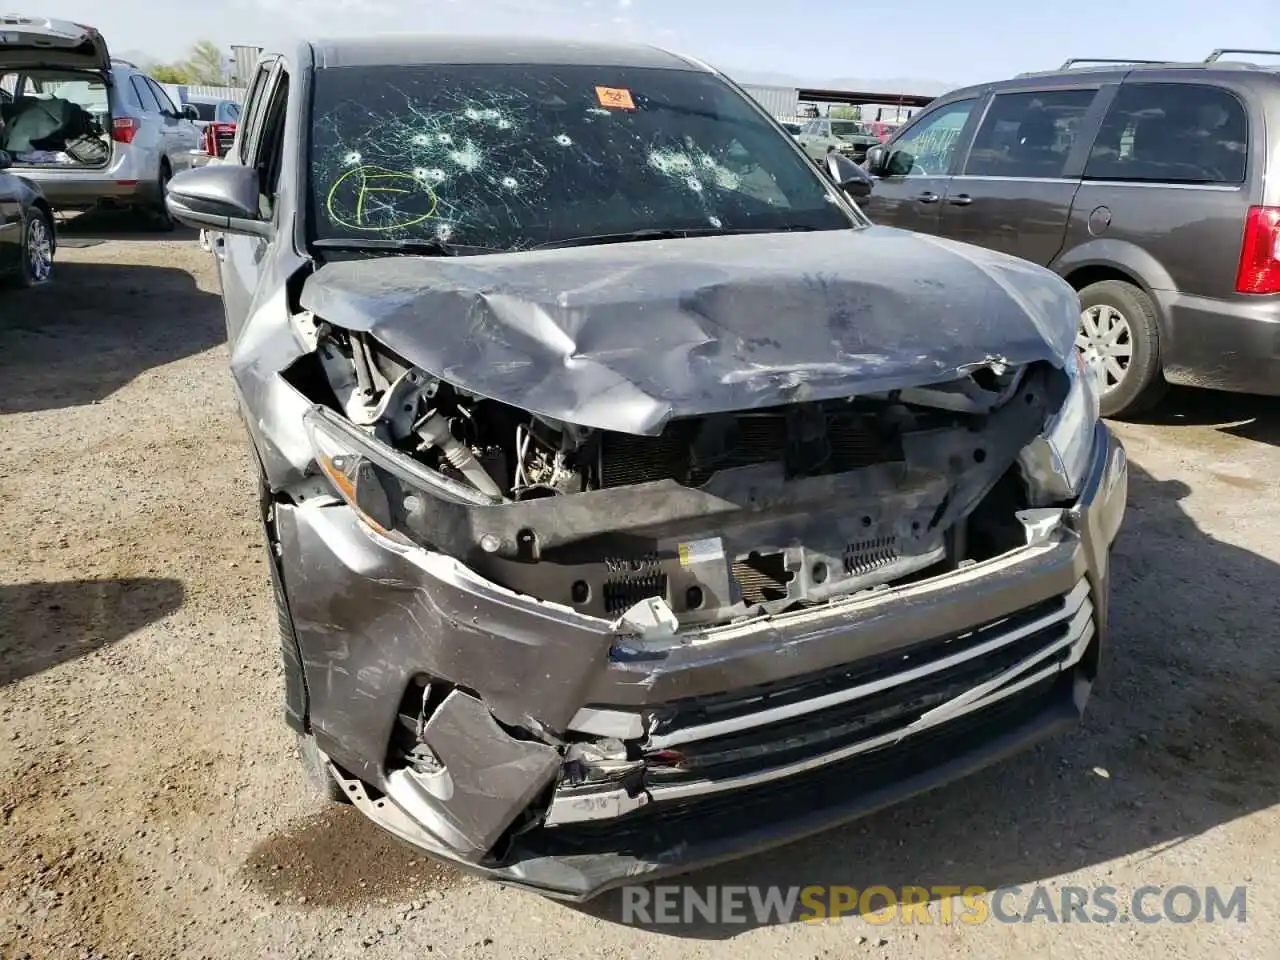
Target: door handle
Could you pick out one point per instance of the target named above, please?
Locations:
(960, 200)
(929, 197)
(219, 247)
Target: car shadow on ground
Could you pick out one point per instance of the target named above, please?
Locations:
(1182, 735)
(97, 226)
(1243, 415)
(95, 328)
(45, 624)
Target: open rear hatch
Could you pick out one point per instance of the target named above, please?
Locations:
(44, 44)
(57, 77)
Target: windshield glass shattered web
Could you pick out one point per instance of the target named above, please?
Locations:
(507, 157)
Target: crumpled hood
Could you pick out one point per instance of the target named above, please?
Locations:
(627, 336)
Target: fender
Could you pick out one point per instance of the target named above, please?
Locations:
(1120, 255)
(1133, 262)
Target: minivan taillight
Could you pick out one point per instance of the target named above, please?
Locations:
(1260, 253)
(123, 129)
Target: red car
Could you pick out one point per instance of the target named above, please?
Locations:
(883, 129)
(217, 121)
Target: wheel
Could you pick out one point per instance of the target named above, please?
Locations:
(35, 265)
(317, 771)
(160, 218)
(1119, 336)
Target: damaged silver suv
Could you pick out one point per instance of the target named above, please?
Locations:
(633, 502)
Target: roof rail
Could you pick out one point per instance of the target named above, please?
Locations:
(1219, 53)
(124, 63)
(1074, 60)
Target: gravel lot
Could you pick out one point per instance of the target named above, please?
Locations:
(151, 804)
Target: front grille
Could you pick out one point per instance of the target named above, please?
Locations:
(824, 731)
(740, 703)
(719, 817)
(701, 744)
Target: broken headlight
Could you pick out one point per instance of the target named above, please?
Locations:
(381, 484)
(1056, 463)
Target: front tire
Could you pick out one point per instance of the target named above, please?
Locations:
(1119, 335)
(318, 771)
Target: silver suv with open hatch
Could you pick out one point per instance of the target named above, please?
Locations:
(88, 129)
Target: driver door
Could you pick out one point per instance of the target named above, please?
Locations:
(259, 144)
(923, 158)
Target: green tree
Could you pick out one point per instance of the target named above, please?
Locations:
(170, 73)
(844, 113)
(202, 64)
(205, 63)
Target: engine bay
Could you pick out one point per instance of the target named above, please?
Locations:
(721, 517)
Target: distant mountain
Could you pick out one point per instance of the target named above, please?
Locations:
(882, 85)
(765, 79)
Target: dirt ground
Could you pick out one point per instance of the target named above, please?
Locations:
(151, 803)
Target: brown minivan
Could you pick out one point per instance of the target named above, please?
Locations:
(1142, 183)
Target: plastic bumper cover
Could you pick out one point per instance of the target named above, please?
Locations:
(369, 617)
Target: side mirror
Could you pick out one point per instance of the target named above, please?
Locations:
(899, 163)
(850, 177)
(190, 112)
(876, 161)
(6, 159)
(221, 197)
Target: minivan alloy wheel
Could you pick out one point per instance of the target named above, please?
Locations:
(1106, 341)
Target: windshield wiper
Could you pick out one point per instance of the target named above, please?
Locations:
(429, 247)
(659, 234)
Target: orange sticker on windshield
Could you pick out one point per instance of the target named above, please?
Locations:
(615, 98)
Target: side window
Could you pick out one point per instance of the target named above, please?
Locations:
(166, 105)
(126, 96)
(1028, 134)
(145, 97)
(268, 150)
(233, 112)
(254, 104)
(927, 149)
(1172, 133)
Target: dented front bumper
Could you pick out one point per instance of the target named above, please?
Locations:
(748, 735)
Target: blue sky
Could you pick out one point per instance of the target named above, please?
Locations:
(945, 40)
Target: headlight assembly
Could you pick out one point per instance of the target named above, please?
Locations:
(1056, 463)
(381, 484)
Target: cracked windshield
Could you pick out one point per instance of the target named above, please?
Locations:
(511, 157)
